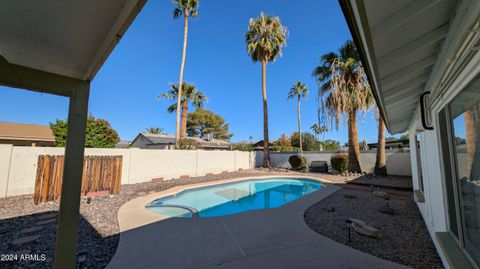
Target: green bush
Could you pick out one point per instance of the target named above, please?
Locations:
(340, 162)
(188, 143)
(243, 147)
(298, 162)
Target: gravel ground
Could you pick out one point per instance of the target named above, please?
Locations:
(398, 182)
(98, 229)
(405, 236)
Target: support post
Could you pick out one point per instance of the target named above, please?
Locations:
(66, 242)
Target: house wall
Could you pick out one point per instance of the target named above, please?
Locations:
(18, 165)
(398, 163)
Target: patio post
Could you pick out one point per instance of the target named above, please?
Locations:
(66, 242)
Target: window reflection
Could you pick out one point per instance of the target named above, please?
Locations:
(465, 112)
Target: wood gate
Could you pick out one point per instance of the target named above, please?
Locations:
(100, 173)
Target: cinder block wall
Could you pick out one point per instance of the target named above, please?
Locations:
(18, 165)
(398, 163)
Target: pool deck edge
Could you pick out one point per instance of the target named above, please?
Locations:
(133, 214)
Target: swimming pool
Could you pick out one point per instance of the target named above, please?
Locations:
(232, 198)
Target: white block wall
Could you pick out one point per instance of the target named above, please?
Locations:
(398, 163)
(18, 165)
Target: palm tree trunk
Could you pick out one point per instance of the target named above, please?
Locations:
(266, 146)
(180, 79)
(380, 166)
(353, 147)
(472, 126)
(299, 125)
(183, 129)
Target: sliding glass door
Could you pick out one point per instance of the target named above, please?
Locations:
(464, 124)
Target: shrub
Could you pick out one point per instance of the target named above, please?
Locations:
(298, 162)
(188, 143)
(243, 147)
(340, 162)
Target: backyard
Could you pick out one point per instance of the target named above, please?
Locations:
(26, 228)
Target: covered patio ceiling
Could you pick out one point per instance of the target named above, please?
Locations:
(68, 38)
(400, 43)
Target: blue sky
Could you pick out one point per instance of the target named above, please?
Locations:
(148, 58)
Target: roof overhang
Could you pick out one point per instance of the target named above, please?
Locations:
(399, 43)
(57, 44)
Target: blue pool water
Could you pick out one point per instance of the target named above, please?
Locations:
(232, 198)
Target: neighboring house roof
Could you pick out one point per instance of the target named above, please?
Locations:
(122, 144)
(164, 139)
(30, 132)
(396, 143)
(261, 144)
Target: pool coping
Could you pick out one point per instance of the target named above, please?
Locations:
(133, 214)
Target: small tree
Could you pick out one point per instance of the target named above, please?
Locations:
(309, 143)
(99, 133)
(203, 122)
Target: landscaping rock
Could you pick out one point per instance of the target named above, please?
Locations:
(329, 209)
(405, 240)
(48, 216)
(382, 194)
(31, 229)
(4, 229)
(26, 239)
(45, 222)
(350, 196)
(367, 230)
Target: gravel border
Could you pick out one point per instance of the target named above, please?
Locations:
(405, 237)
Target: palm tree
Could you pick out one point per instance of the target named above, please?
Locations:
(343, 89)
(187, 8)
(298, 90)
(318, 130)
(190, 94)
(380, 165)
(154, 130)
(265, 38)
(472, 139)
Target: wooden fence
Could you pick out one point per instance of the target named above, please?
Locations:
(100, 173)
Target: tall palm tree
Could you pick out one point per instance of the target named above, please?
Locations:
(265, 38)
(190, 94)
(380, 164)
(300, 91)
(187, 8)
(154, 130)
(343, 89)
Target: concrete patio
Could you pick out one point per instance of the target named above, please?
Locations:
(270, 238)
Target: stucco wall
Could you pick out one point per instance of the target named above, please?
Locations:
(398, 163)
(18, 165)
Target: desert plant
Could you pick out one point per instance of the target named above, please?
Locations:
(154, 130)
(299, 90)
(343, 91)
(298, 162)
(190, 94)
(340, 162)
(265, 38)
(187, 8)
(188, 143)
(243, 146)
